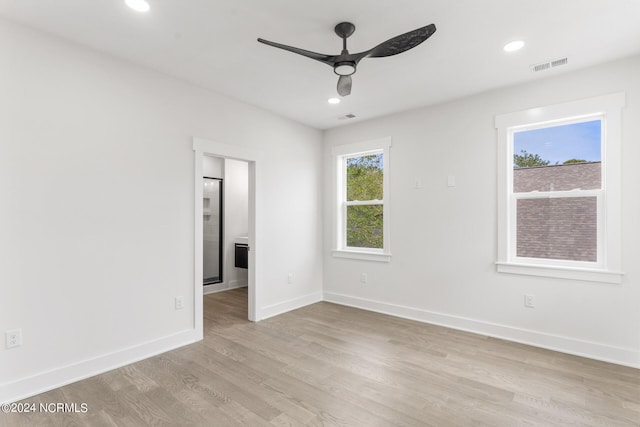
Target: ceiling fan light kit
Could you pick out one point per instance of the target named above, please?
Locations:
(344, 68)
(344, 65)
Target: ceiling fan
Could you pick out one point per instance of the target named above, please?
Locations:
(345, 64)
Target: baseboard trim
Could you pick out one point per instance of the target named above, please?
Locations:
(238, 284)
(292, 304)
(591, 350)
(221, 287)
(213, 288)
(49, 380)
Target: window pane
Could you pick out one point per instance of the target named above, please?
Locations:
(364, 177)
(557, 228)
(558, 158)
(364, 226)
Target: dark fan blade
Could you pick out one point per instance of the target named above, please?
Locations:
(325, 59)
(344, 85)
(402, 43)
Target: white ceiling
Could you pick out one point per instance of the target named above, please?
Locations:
(212, 43)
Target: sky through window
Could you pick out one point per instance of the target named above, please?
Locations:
(558, 144)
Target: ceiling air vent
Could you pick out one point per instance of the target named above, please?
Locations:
(559, 62)
(347, 116)
(550, 64)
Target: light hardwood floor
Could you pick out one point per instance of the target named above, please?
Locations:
(331, 365)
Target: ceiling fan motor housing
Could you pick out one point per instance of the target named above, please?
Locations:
(344, 68)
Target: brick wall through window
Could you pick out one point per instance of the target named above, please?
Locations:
(563, 228)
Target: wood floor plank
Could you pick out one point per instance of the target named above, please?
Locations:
(330, 365)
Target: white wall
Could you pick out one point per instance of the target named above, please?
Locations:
(444, 239)
(96, 219)
(213, 167)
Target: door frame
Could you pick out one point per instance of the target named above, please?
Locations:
(203, 147)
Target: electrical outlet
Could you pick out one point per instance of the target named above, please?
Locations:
(290, 278)
(13, 338)
(529, 301)
(363, 278)
(179, 303)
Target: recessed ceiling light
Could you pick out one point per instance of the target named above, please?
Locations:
(138, 5)
(513, 46)
(333, 100)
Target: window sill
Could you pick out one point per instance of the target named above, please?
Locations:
(361, 255)
(584, 274)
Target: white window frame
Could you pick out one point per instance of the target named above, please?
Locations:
(340, 154)
(607, 268)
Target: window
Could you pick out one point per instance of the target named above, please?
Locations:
(559, 190)
(362, 200)
(557, 193)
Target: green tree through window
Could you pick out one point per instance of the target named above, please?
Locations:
(365, 187)
(528, 160)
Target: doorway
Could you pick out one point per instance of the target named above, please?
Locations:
(225, 202)
(201, 149)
